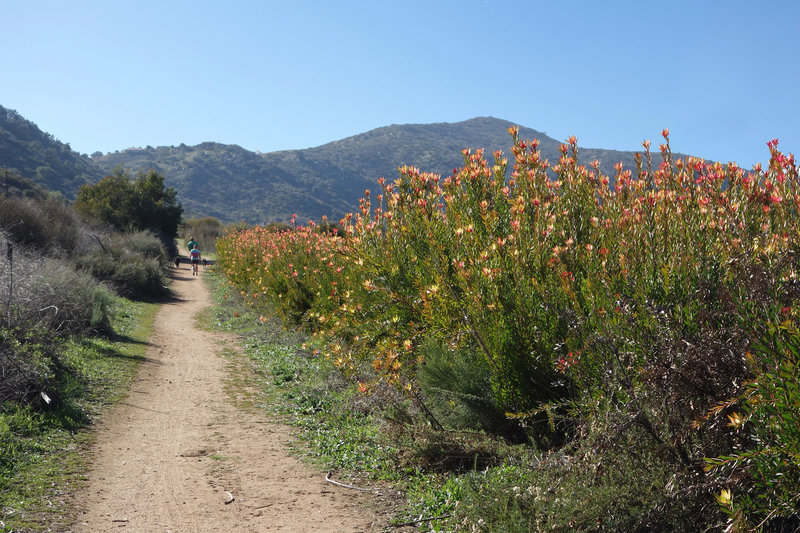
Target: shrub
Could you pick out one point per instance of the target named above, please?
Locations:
(205, 231)
(47, 225)
(131, 275)
(141, 203)
(759, 478)
(73, 301)
(28, 358)
(45, 292)
(129, 262)
(601, 309)
(142, 243)
(458, 390)
(626, 492)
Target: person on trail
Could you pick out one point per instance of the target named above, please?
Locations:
(192, 244)
(194, 256)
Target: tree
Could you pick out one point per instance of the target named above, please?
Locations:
(158, 209)
(132, 205)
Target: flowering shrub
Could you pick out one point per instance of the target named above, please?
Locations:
(605, 294)
(287, 268)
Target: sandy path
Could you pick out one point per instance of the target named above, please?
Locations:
(167, 456)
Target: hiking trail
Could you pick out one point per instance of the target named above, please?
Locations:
(172, 455)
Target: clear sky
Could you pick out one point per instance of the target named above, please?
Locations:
(105, 75)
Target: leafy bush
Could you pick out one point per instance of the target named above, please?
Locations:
(205, 231)
(759, 478)
(28, 359)
(458, 389)
(45, 301)
(141, 203)
(142, 243)
(131, 275)
(129, 262)
(624, 493)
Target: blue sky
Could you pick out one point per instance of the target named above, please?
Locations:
(723, 76)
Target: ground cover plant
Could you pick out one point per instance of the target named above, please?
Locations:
(635, 330)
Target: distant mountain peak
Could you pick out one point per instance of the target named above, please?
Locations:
(231, 183)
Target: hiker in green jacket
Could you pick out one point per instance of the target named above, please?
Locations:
(191, 244)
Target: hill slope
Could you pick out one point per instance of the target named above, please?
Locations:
(231, 183)
(28, 152)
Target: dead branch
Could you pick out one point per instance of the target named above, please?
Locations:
(421, 520)
(329, 480)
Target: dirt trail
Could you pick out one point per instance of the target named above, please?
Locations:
(168, 456)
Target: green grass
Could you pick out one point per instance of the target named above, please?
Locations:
(373, 440)
(43, 452)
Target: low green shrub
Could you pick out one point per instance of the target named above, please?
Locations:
(72, 301)
(28, 359)
(760, 481)
(629, 491)
(131, 274)
(142, 243)
(49, 302)
(205, 231)
(457, 389)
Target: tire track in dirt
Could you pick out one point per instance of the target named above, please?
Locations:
(168, 455)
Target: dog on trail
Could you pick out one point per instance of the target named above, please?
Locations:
(177, 262)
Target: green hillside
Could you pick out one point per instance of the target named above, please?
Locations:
(28, 152)
(231, 183)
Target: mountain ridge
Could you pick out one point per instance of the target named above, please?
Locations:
(233, 184)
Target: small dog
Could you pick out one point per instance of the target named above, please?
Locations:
(177, 262)
(205, 263)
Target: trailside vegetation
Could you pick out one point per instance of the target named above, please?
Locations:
(637, 331)
(62, 350)
(139, 204)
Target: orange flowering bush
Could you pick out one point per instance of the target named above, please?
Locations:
(570, 287)
(285, 268)
(530, 267)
